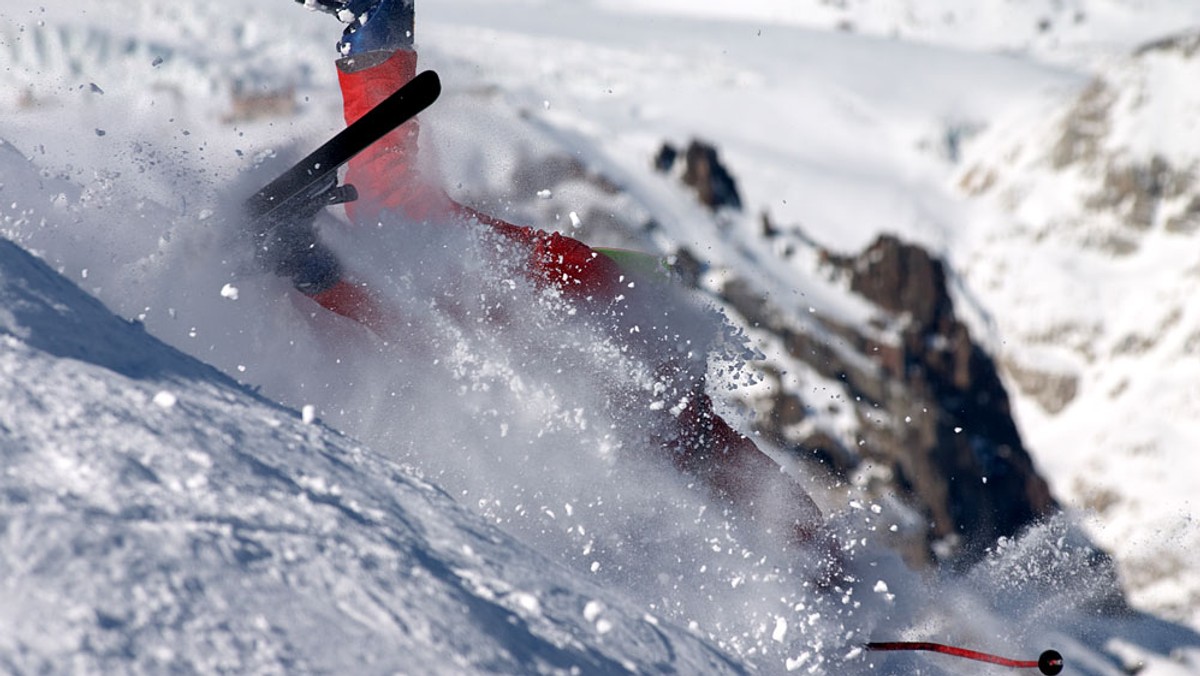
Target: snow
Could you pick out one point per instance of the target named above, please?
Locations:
(223, 534)
(475, 510)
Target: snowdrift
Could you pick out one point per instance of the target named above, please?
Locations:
(155, 516)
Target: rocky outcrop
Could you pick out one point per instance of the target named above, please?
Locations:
(932, 409)
(1128, 181)
(963, 457)
(933, 428)
(703, 172)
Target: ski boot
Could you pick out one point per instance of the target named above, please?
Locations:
(372, 25)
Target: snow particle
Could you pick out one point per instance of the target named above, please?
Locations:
(780, 632)
(164, 399)
(592, 612)
(794, 663)
(527, 603)
(881, 588)
(229, 291)
(308, 414)
(545, 194)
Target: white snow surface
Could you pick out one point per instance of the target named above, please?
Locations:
(220, 533)
(480, 508)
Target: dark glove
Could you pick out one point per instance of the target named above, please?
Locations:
(286, 243)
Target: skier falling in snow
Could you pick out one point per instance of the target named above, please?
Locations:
(377, 58)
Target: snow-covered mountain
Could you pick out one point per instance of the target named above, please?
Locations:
(127, 122)
(1094, 206)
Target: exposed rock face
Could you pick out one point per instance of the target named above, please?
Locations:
(932, 408)
(933, 429)
(1127, 186)
(964, 458)
(702, 171)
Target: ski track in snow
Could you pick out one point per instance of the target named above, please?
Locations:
(210, 529)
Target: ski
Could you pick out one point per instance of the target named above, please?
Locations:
(311, 184)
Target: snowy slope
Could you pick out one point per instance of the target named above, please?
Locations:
(1057, 30)
(842, 133)
(1094, 196)
(154, 517)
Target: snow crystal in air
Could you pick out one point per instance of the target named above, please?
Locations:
(780, 632)
(229, 291)
(527, 603)
(308, 414)
(164, 399)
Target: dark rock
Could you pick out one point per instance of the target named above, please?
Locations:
(702, 171)
(688, 268)
(713, 183)
(1185, 44)
(959, 446)
(665, 159)
(931, 406)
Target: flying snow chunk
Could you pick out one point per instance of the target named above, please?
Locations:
(165, 399)
(881, 588)
(592, 610)
(780, 632)
(308, 414)
(527, 603)
(229, 291)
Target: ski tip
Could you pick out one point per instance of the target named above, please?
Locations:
(1050, 662)
(430, 79)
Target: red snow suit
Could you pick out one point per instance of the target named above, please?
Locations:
(388, 179)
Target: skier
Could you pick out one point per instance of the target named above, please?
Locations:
(377, 57)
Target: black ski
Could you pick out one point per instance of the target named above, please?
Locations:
(311, 183)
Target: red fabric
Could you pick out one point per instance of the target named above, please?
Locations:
(355, 302)
(388, 178)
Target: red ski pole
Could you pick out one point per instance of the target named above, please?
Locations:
(1050, 662)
